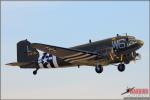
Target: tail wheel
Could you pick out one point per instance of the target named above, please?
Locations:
(121, 67)
(99, 69)
(35, 71)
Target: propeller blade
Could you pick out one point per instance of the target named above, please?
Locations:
(134, 57)
(121, 58)
(112, 58)
(138, 56)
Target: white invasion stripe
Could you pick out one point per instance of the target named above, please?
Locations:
(73, 55)
(41, 65)
(39, 59)
(50, 57)
(49, 66)
(79, 57)
(55, 61)
(83, 59)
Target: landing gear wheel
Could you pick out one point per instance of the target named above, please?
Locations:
(99, 69)
(121, 67)
(35, 71)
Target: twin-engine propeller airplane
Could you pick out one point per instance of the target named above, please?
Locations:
(128, 90)
(118, 50)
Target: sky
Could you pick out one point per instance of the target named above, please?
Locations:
(67, 24)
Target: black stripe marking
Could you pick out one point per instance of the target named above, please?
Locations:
(51, 63)
(50, 55)
(44, 64)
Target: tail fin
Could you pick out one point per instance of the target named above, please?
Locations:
(27, 57)
(26, 54)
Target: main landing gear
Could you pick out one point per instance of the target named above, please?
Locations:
(35, 71)
(121, 67)
(99, 69)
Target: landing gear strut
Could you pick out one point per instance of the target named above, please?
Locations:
(35, 71)
(99, 69)
(121, 67)
(126, 61)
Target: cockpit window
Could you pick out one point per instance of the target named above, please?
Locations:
(131, 41)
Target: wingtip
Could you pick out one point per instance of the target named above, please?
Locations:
(7, 64)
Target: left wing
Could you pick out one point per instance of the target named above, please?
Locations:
(19, 63)
(69, 55)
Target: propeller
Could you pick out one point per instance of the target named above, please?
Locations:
(111, 54)
(136, 56)
(121, 58)
(133, 56)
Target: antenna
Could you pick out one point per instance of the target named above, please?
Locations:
(90, 41)
(126, 34)
(117, 35)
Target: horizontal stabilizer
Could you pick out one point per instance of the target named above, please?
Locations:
(18, 63)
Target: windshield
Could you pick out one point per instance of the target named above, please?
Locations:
(131, 41)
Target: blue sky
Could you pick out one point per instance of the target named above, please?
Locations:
(66, 24)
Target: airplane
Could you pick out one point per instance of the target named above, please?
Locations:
(118, 51)
(128, 90)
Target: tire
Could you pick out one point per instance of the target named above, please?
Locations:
(34, 72)
(99, 69)
(121, 67)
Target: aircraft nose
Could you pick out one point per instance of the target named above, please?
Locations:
(140, 42)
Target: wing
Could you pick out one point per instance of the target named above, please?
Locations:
(69, 55)
(18, 63)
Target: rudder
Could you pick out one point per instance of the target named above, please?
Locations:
(25, 53)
